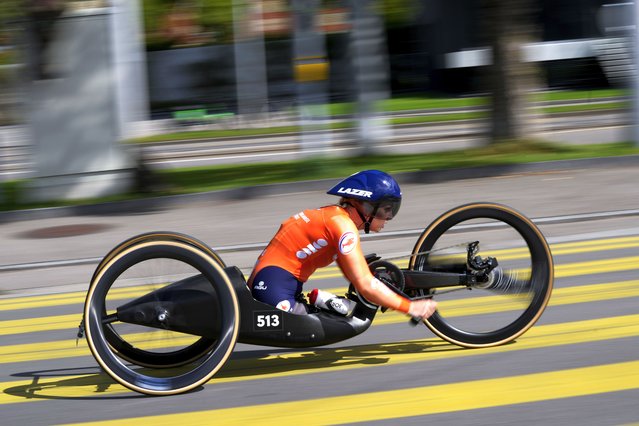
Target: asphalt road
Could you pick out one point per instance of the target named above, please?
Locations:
(578, 365)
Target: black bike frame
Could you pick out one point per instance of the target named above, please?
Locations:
(428, 280)
(189, 306)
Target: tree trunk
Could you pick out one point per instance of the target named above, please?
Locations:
(509, 25)
(370, 64)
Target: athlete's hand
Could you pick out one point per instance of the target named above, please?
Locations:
(422, 308)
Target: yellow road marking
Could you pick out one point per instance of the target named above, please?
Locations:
(338, 359)
(29, 302)
(419, 401)
(470, 306)
(573, 247)
(597, 266)
(561, 271)
(68, 348)
(495, 304)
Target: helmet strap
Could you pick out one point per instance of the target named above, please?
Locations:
(367, 221)
(367, 225)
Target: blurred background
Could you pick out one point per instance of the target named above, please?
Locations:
(100, 98)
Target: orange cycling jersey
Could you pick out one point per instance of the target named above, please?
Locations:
(310, 240)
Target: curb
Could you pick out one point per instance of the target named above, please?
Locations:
(438, 176)
(250, 192)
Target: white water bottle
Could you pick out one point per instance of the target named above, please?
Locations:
(330, 302)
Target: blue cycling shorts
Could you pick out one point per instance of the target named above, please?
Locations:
(276, 287)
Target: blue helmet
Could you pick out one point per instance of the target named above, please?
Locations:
(378, 192)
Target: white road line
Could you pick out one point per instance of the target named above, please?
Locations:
(387, 235)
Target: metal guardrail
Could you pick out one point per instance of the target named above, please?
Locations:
(16, 151)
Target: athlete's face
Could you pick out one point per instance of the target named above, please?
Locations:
(377, 224)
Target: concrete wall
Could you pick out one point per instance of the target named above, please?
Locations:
(75, 119)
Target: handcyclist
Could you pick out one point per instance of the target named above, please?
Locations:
(314, 238)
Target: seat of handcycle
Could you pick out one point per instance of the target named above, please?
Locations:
(263, 324)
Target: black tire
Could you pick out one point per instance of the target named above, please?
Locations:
(205, 357)
(511, 309)
(152, 359)
(159, 236)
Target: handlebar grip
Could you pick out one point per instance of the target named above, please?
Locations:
(414, 321)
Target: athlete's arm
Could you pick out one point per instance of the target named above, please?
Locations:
(351, 261)
(356, 270)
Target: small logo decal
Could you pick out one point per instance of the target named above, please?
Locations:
(260, 286)
(338, 305)
(311, 248)
(347, 242)
(302, 216)
(355, 191)
(284, 305)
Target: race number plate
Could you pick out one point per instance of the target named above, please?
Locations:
(267, 321)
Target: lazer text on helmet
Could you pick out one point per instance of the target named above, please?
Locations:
(355, 191)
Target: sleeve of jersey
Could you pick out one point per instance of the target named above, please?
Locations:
(351, 261)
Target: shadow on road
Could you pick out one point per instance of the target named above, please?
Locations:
(91, 383)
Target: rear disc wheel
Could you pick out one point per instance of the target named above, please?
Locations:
(152, 360)
(161, 270)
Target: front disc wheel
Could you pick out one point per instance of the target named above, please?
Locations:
(510, 298)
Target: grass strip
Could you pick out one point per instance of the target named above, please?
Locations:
(210, 178)
(410, 104)
(511, 152)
